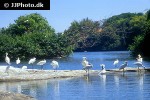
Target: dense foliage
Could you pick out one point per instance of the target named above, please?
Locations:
(32, 36)
(114, 33)
(140, 44)
(83, 34)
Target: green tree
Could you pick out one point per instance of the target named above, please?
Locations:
(32, 36)
(83, 34)
(127, 26)
(29, 23)
(140, 42)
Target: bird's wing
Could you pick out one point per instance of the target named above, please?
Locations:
(137, 63)
(122, 66)
(7, 59)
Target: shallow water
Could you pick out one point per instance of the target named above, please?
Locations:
(118, 86)
(73, 62)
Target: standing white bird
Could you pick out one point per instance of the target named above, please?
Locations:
(103, 71)
(116, 62)
(86, 65)
(123, 66)
(18, 61)
(42, 62)
(31, 61)
(139, 64)
(54, 64)
(7, 60)
(139, 58)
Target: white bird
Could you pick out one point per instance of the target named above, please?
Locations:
(116, 62)
(42, 62)
(31, 61)
(7, 60)
(18, 61)
(139, 58)
(24, 67)
(86, 65)
(139, 64)
(54, 64)
(103, 71)
(123, 66)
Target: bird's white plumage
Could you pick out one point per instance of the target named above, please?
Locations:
(54, 64)
(42, 62)
(139, 64)
(24, 67)
(139, 58)
(31, 61)
(85, 62)
(116, 62)
(86, 65)
(124, 65)
(103, 71)
(7, 59)
(18, 61)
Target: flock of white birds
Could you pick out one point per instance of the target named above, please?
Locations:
(86, 65)
(54, 63)
(138, 63)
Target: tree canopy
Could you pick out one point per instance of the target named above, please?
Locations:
(140, 44)
(29, 24)
(114, 33)
(32, 36)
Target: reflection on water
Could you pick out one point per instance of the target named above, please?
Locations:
(113, 86)
(117, 86)
(103, 78)
(116, 79)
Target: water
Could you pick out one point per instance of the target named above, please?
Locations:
(119, 86)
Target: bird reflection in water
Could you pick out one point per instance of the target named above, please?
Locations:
(56, 88)
(116, 79)
(103, 78)
(87, 78)
(141, 79)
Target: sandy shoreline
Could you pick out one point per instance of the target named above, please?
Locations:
(17, 74)
(29, 74)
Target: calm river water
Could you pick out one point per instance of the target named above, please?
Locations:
(119, 86)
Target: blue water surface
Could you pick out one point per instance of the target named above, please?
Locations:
(111, 86)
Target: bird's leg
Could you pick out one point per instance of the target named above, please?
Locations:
(41, 67)
(56, 69)
(32, 66)
(88, 72)
(138, 68)
(7, 68)
(123, 70)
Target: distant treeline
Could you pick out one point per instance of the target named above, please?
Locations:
(127, 31)
(31, 35)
